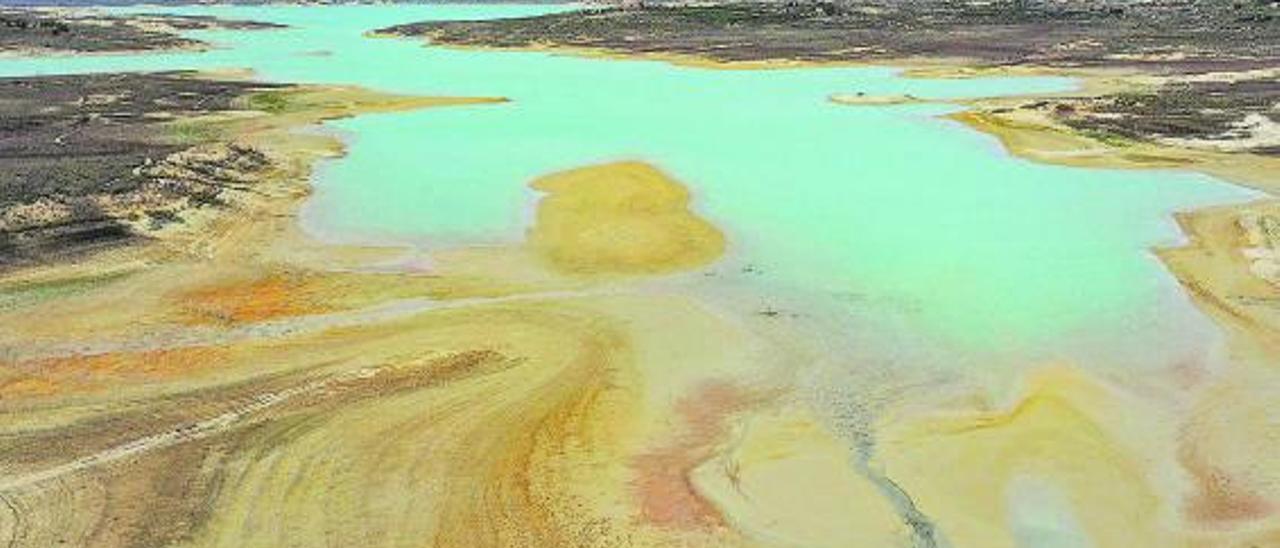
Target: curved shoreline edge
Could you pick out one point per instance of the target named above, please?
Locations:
(1213, 267)
(1038, 138)
(559, 400)
(1229, 267)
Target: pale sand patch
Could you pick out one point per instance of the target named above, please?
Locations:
(1227, 445)
(1261, 132)
(785, 481)
(958, 467)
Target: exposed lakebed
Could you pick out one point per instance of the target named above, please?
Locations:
(607, 302)
(887, 213)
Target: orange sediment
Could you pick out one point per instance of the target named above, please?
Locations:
(663, 484)
(271, 296)
(78, 374)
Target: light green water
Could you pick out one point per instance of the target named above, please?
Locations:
(888, 209)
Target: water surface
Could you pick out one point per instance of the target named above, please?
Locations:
(877, 211)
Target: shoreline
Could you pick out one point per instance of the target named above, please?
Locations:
(1210, 265)
(1030, 136)
(956, 66)
(723, 490)
(240, 306)
(561, 401)
(36, 53)
(1212, 268)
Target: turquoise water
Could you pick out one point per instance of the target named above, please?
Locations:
(984, 254)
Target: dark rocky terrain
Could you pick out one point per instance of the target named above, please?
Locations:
(1178, 35)
(1172, 38)
(1208, 111)
(83, 159)
(42, 30)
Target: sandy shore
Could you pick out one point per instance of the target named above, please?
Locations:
(1223, 266)
(236, 384)
(1032, 134)
(232, 383)
(1197, 473)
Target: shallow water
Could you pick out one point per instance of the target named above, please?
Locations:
(878, 211)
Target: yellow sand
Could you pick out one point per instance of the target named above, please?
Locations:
(959, 468)
(1219, 272)
(621, 218)
(1033, 135)
(785, 481)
